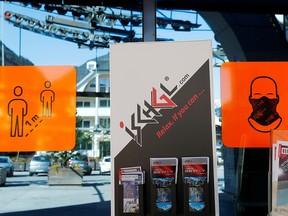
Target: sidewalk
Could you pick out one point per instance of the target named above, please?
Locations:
(102, 209)
(37, 198)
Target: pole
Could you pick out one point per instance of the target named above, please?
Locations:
(20, 40)
(2, 30)
(149, 20)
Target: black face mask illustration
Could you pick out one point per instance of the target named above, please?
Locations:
(264, 110)
(264, 99)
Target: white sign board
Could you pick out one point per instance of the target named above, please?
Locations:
(162, 106)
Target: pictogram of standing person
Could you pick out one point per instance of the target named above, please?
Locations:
(17, 109)
(47, 97)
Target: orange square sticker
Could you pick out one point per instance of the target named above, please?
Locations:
(254, 101)
(37, 108)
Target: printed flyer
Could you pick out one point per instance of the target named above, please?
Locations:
(282, 187)
(130, 197)
(164, 175)
(130, 178)
(164, 171)
(195, 172)
(277, 137)
(164, 200)
(279, 173)
(196, 199)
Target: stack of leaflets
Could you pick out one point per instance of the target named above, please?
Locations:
(195, 172)
(280, 178)
(131, 178)
(164, 175)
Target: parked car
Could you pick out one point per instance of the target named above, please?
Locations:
(105, 165)
(7, 163)
(39, 164)
(82, 161)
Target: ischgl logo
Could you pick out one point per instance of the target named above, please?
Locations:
(149, 111)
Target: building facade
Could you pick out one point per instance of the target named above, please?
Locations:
(94, 112)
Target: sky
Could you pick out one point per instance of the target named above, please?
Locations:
(44, 50)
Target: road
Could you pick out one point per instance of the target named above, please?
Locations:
(31, 195)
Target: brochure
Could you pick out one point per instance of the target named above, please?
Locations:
(164, 200)
(164, 171)
(279, 172)
(274, 177)
(196, 199)
(164, 175)
(277, 137)
(128, 170)
(282, 186)
(195, 172)
(283, 161)
(130, 197)
(131, 178)
(136, 177)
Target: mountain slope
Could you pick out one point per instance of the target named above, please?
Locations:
(11, 59)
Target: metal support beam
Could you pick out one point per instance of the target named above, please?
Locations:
(93, 94)
(241, 6)
(149, 20)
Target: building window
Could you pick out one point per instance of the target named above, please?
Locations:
(87, 104)
(102, 88)
(104, 85)
(104, 103)
(93, 84)
(79, 104)
(83, 104)
(86, 124)
(104, 123)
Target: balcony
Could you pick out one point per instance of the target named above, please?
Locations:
(86, 111)
(104, 111)
(91, 111)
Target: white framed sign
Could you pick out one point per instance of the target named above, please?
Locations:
(162, 106)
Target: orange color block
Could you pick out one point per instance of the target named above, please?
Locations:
(254, 97)
(37, 108)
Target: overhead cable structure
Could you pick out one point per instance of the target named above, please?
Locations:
(91, 26)
(84, 38)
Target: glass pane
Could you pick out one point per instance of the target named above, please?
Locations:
(87, 104)
(103, 103)
(79, 104)
(86, 124)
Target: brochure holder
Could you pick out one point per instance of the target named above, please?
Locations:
(195, 177)
(131, 180)
(160, 207)
(188, 210)
(140, 211)
(163, 185)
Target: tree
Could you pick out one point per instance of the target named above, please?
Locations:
(104, 143)
(84, 138)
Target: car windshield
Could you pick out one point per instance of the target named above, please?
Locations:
(40, 159)
(107, 159)
(3, 160)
